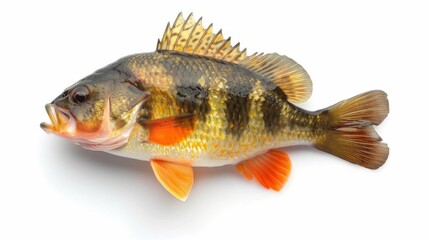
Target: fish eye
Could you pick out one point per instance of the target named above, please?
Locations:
(79, 95)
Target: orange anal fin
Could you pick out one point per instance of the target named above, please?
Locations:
(170, 130)
(176, 178)
(271, 169)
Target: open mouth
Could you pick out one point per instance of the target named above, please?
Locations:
(107, 137)
(61, 120)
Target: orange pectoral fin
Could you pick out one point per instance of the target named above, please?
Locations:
(271, 169)
(170, 130)
(176, 178)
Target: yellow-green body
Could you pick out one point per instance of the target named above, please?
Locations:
(240, 114)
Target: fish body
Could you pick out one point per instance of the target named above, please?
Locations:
(238, 113)
(199, 101)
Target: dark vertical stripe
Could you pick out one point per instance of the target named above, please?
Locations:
(237, 114)
(193, 99)
(204, 106)
(271, 109)
(190, 95)
(238, 102)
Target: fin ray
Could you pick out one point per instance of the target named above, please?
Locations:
(170, 130)
(350, 134)
(287, 74)
(367, 108)
(176, 178)
(191, 37)
(270, 169)
(360, 145)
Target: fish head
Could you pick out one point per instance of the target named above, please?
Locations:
(97, 112)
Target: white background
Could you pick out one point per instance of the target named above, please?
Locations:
(52, 189)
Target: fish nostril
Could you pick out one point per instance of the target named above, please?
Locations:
(64, 94)
(61, 97)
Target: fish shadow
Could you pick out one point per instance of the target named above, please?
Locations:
(69, 165)
(129, 187)
(73, 163)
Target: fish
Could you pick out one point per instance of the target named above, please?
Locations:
(201, 101)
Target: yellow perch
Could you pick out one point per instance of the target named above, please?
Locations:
(198, 100)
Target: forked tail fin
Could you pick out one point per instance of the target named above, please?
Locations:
(350, 134)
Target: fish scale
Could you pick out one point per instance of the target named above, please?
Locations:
(231, 109)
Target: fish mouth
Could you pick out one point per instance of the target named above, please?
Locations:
(62, 122)
(107, 137)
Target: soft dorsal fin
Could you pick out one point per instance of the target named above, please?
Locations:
(188, 36)
(287, 74)
(191, 37)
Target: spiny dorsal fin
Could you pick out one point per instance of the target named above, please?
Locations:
(186, 35)
(284, 72)
(191, 37)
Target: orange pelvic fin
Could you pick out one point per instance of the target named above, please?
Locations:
(176, 178)
(170, 130)
(271, 169)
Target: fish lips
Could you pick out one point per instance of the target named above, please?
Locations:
(62, 122)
